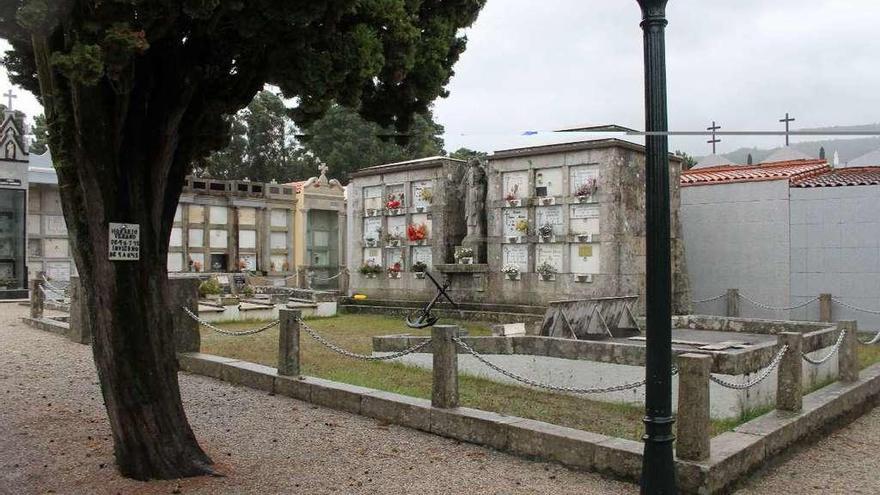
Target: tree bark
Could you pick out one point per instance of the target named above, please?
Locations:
(120, 159)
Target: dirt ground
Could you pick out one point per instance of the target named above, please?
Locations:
(54, 438)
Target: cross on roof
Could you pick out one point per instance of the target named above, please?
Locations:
(9, 96)
(714, 139)
(787, 119)
(323, 168)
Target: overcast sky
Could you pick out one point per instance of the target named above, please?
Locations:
(744, 63)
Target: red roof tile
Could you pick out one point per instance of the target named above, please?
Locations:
(724, 174)
(850, 176)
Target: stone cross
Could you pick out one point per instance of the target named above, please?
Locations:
(714, 139)
(9, 96)
(786, 120)
(323, 168)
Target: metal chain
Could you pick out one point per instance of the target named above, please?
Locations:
(528, 381)
(48, 297)
(774, 308)
(227, 332)
(323, 279)
(855, 308)
(830, 353)
(53, 287)
(333, 347)
(758, 379)
(872, 341)
(719, 296)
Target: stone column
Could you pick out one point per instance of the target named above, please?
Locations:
(693, 423)
(288, 342)
(184, 293)
(733, 303)
(79, 323)
(344, 278)
(37, 297)
(825, 307)
(444, 392)
(789, 385)
(848, 358)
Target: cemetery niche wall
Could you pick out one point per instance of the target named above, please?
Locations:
(402, 218)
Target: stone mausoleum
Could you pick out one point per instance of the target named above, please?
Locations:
(532, 225)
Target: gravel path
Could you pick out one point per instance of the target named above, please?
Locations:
(54, 438)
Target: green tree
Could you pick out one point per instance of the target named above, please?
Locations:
(41, 135)
(687, 161)
(135, 90)
(346, 142)
(467, 153)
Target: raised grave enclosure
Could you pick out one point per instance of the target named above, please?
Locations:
(559, 222)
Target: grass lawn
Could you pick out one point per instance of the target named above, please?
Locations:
(354, 332)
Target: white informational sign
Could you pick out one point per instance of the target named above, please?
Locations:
(511, 217)
(423, 254)
(516, 184)
(551, 215)
(549, 253)
(125, 242)
(517, 255)
(580, 174)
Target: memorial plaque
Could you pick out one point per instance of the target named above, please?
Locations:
(33, 224)
(373, 198)
(585, 258)
(393, 256)
(423, 254)
(372, 228)
(56, 248)
(396, 190)
(373, 256)
(125, 242)
(250, 262)
(176, 239)
(584, 219)
(397, 227)
(247, 239)
(54, 225)
(175, 262)
(197, 258)
(218, 238)
(218, 215)
(278, 263)
(420, 191)
(548, 182)
(247, 216)
(551, 215)
(422, 218)
(239, 281)
(279, 217)
(57, 270)
(516, 184)
(580, 174)
(196, 214)
(278, 240)
(511, 217)
(549, 253)
(517, 255)
(178, 214)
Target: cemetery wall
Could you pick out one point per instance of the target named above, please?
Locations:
(737, 237)
(429, 194)
(835, 249)
(48, 245)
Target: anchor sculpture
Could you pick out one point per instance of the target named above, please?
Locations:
(423, 317)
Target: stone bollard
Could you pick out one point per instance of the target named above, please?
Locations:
(825, 307)
(288, 342)
(37, 298)
(789, 384)
(694, 426)
(80, 322)
(733, 303)
(184, 293)
(444, 392)
(344, 280)
(847, 355)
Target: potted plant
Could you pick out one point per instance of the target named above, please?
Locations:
(370, 270)
(511, 197)
(546, 271)
(417, 233)
(584, 237)
(426, 195)
(373, 240)
(419, 268)
(248, 291)
(210, 289)
(545, 232)
(522, 226)
(583, 277)
(391, 240)
(393, 204)
(548, 201)
(464, 255)
(394, 270)
(585, 191)
(511, 271)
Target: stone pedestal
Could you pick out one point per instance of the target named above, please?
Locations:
(444, 392)
(733, 303)
(789, 387)
(37, 298)
(848, 358)
(693, 422)
(825, 307)
(478, 244)
(288, 342)
(80, 319)
(184, 293)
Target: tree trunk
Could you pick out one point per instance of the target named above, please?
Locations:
(120, 158)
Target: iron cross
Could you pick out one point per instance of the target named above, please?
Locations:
(714, 139)
(9, 96)
(787, 119)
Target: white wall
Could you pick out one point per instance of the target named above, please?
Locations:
(835, 248)
(737, 237)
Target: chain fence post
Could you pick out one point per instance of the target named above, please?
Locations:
(694, 427)
(789, 384)
(847, 355)
(80, 321)
(184, 293)
(444, 391)
(289, 342)
(825, 307)
(733, 303)
(37, 298)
